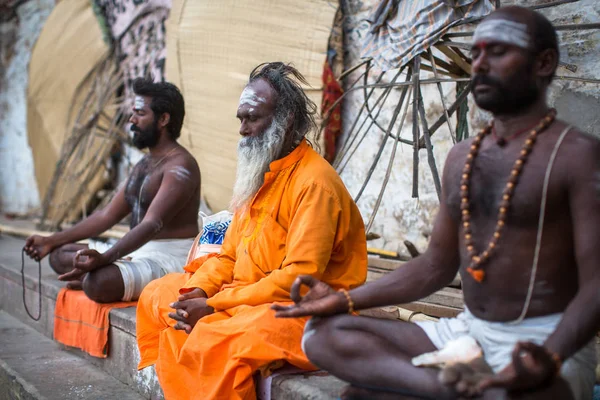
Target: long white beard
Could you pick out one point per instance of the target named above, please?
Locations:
(254, 156)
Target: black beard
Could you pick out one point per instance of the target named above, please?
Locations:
(512, 97)
(147, 138)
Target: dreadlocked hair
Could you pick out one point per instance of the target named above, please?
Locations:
(292, 102)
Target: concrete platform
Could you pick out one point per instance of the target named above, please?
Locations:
(35, 367)
(123, 353)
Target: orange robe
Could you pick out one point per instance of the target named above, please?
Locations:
(301, 221)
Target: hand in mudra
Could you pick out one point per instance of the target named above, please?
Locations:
(532, 367)
(320, 300)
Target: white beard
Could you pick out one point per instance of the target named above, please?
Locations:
(254, 156)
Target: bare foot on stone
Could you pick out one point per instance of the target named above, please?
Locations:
(464, 378)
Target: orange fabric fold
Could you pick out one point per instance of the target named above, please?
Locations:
(301, 221)
(83, 323)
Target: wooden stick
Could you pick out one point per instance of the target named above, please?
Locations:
(388, 172)
(566, 27)
(429, 146)
(415, 127)
(440, 121)
(384, 96)
(383, 142)
(412, 249)
(451, 54)
(439, 86)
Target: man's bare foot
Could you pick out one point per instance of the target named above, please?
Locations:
(357, 393)
(464, 378)
(74, 285)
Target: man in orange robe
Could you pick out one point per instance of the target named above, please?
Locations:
(209, 330)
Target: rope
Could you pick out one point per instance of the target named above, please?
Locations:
(538, 243)
(39, 287)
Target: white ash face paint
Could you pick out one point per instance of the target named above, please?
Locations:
(138, 103)
(504, 31)
(181, 174)
(249, 97)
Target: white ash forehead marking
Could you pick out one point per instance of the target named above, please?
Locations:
(249, 97)
(503, 30)
(181, 173)
(138, 103)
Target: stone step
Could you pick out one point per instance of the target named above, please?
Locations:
(35, 367)
(123, 353)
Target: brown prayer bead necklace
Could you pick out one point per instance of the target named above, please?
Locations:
(474, 268)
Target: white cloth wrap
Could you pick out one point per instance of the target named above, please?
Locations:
(498, 339)
(151, 261)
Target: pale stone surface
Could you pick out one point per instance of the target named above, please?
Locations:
(18, 189)
(35, 367)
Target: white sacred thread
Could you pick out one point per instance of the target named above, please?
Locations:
(250, 97)
(181, 174)
(138, 103)
(504, 31)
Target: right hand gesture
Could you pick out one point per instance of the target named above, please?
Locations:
(320, 301)
(38, 247)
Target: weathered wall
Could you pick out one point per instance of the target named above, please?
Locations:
(402, 217)
(18, 189)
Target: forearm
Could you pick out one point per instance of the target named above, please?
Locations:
(579, 324)
(92, 226)
(133, 240)
(412, 281)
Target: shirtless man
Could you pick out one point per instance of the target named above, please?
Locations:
(538, 349)
(163, 197)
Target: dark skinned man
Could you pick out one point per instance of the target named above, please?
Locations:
(208, 331)
(519, 219)
(162, 195)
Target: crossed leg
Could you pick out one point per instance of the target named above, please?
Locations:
(374, 356)
(104, 285)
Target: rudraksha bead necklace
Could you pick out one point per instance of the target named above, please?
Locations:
(474, 268)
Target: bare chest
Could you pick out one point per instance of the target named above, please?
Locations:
(142, 186)
(491, 171)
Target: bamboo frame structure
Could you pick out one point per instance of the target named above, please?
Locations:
(447, 62)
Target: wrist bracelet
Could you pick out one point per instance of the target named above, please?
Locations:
(349, 299)
(557, 362)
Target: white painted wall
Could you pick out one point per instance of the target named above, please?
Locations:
(18, 189)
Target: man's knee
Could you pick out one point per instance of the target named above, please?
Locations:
(325, 338)
(103, 285)
(56, 259)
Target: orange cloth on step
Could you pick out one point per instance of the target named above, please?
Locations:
(83, 323)
(302, 221)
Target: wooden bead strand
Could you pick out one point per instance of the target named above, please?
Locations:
(477, 259)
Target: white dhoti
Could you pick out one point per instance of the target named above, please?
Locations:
(153, 260)
(498, 340)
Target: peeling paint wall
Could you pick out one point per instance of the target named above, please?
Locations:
(401, 217)
(18, 188)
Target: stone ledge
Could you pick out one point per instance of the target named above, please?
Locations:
(25, 358)
(123, 354)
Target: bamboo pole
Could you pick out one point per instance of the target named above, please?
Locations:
(415, 127)
(439, 86)
(384, 141)
(428, 145)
